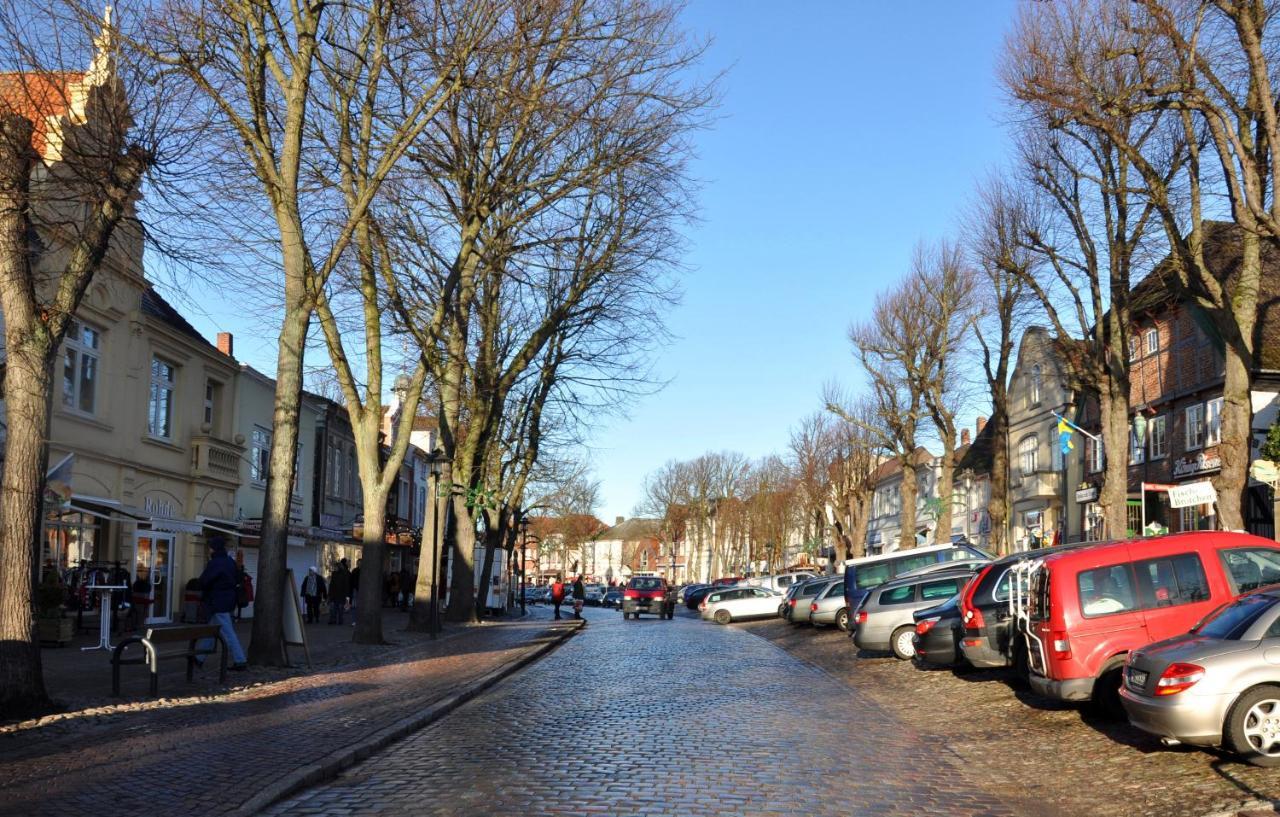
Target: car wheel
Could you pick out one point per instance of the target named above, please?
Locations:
(900, 641)
(1253, 726)
(723, 617)
(1105, 701)
(842, 619)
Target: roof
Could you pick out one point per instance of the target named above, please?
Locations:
(156, 306)
(892, 466)
(632, 530)
(42, 98)
(977, 456)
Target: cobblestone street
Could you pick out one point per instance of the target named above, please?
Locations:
(659, 717)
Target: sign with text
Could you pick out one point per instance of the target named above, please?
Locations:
(1193, 493)
(1186, 466)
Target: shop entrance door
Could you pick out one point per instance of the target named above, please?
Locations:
(153, 564)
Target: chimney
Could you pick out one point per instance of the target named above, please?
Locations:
(982, 423)
(964, 436)
(226, 344)
(618, 520)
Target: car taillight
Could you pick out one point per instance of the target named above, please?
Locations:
(923, 627)
(1178, 677)
(862, 616)
(702, 606)
(792, 603)
(972, 616)
(630, 594)
(813, 608)
(1060, 644)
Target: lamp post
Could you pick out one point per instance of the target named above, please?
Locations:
(436, 460)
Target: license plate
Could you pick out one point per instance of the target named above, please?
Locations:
(1137, 678)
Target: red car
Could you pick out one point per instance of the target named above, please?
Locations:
(727, 581)
(1083, 610)
(648, 594)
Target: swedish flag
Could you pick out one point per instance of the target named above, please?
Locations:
(1064, 436)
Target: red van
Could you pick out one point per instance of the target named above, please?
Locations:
(1087, 608)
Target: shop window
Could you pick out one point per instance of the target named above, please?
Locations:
(1158, 437)
(80, 363)
(1213, 422)
(68, 540)
(1195, 426)
(160, 405)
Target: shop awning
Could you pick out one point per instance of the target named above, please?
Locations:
(220, 525)
(99, 508)
(167, 525)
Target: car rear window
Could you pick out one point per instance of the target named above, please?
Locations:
(1001, 593)
(940, 589)
(1106, 590)
(645, 583)
(1232, 620)
(810, 589)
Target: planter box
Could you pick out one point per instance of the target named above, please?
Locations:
(55, 630)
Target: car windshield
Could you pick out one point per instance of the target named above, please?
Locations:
(645, 583)
(1230, 621)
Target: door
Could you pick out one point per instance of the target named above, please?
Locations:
(153, 565)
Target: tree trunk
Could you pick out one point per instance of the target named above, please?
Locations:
(266, 646)
(428, 565)
(1237, 433)
(28, 390)
(1114, 407)
(462, 540)
(374, 544)
(946, 489)
(998, 502)
(907, 515)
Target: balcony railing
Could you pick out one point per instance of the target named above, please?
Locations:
(212, 458)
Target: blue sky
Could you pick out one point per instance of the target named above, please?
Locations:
(848, 132)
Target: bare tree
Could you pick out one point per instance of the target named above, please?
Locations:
(856, 454)
(72, 159)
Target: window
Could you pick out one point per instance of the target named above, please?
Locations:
(871, 575)
(333, 462)
(259, 455)
(1250, 568)
(80, 367)
(907, 563)
(1190, 518)
(899, 595)
(1157, 437)
(1036, 375)
(351, 474)
(1106, 590)
(160, 407)
(939, 590)
(1213, 422)
(1097, 460)
(210, 389)
(1133, 348)
(1028, 455)
(1171, 581)
(1195, 426)
(1001, 593)
(1136, 449)
(1153, 341)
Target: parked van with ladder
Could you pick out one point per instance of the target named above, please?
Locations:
(1081, 611)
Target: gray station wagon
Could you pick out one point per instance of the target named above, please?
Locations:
(883, 621)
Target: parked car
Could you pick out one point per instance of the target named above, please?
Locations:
(796, 609)
(612, 598)
(689, 588)
(696, 597)
(728, 604)
(648, 594)
(1086, 609)
(726, 581)
(939, 631)
(864, 573)
(884, 622)
(594, 594)
(1216, 685)
(828, 607)
(781, 581)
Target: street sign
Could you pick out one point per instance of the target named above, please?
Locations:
(1192, 493)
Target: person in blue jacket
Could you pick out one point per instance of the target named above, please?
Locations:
(218, 585)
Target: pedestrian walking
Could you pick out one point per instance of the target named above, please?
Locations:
(354, 592)
(218, 595)
(393, 590)
(557, 595)
(339, 591)
(579, 597)
(314, 592)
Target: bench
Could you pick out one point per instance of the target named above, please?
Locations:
(158, 645)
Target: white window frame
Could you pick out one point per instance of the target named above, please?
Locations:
(1152, 341)
(1213, 422)
(74, 343)
(1194, 415)
(1028, 455)
(1133, 348)
(1037, 376)
(1161, 451)
(259, 455)
(1097, 456)
(166, 386)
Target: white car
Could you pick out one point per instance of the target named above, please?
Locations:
(734, 603)
(780, 582)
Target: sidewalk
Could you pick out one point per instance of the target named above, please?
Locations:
(223, 752)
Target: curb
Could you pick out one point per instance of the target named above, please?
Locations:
(328, 767)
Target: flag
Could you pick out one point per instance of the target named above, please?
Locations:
(1064, 436)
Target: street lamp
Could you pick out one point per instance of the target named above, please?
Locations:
(435, 460)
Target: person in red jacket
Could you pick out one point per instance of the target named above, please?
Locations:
(557, 594)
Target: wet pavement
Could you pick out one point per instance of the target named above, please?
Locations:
(656, 717)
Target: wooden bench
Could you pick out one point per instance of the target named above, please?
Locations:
(157, 646)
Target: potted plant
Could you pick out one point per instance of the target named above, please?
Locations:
(52, 625)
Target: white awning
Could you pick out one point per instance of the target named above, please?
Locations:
(175, 525)
(220, 525)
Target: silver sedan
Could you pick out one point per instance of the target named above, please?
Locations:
(1217, 685)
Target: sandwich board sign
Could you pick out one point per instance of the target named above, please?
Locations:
(295, 635)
